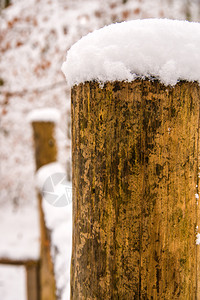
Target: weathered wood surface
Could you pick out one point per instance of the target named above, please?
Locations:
(45, 153)
(135, 175)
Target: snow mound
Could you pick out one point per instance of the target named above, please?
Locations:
(44, 115)
(160, 48)
(46, 171)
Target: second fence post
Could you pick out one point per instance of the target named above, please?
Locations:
(43, 123)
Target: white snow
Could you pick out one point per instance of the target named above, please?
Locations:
(52, 183)
(198, 239)
(19, 233)
(44, 115)
(45, 171)
(12, 282)
(165, 49)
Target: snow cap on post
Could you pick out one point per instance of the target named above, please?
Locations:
(164, 49)
(44, 115)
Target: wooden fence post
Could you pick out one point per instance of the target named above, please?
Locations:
(43, 124)
(135, 164)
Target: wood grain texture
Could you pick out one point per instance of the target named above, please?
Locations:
(135, 152)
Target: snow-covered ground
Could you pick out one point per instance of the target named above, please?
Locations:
(19, 232)
(12, 283)
(35, 36)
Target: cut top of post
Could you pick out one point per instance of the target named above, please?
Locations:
(167, 50)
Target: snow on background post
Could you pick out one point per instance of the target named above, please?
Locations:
(44, 115)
